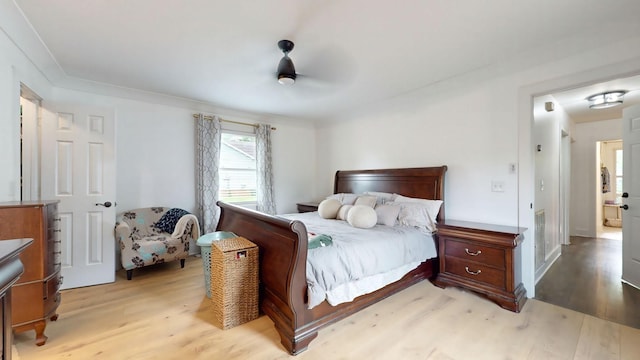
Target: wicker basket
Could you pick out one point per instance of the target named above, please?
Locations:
(234, 281)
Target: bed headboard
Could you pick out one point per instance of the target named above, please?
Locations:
(425, 183)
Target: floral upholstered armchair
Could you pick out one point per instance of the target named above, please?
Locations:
(154, 235)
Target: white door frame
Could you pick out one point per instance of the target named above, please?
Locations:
(526, 155)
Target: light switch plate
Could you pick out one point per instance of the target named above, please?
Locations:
(497, 186)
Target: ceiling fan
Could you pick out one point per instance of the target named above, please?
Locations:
(286, 70)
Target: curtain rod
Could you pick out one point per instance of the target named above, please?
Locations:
(209, 117)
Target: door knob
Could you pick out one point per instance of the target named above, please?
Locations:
(624, 207)
(625, 194)
(105, 204)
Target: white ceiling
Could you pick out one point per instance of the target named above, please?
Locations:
(350, 53)
(574, 101)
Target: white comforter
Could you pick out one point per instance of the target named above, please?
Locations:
(360, 261)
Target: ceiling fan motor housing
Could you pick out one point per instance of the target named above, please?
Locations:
(286, 70)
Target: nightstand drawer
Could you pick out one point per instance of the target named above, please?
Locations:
(475, 271)
(475, 252)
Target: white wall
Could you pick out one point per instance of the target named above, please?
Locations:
(476, 124)
(155, 153)
(547, 133)
(432, 129)
(15, 68)
(585, 171)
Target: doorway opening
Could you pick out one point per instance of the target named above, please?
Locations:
(30, 105)
(587, 275)
(609, 157)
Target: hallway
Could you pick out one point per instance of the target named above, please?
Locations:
(586, 278)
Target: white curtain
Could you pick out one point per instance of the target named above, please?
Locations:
(207, 164)
(266, 201)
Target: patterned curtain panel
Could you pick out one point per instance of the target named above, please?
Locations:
(207, 163)
(266, 201)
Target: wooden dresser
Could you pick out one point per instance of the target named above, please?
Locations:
(483, 258)
(36, 295)
(10, 270)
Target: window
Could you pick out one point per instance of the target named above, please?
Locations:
(618, 174)
(238, 168)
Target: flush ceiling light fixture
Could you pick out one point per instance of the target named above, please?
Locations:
(606, 99)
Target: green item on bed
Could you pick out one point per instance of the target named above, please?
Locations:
(319, 240)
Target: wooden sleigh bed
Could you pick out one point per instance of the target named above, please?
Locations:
(283, 246)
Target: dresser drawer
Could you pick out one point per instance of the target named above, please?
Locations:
(475, 271)
(24, 309)
(51, 295)
(475, 252)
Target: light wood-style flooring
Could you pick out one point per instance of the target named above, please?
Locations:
(163, 314)
(586, 278)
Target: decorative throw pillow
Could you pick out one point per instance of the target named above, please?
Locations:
(433, 206)
(387, 214)
(416, 214)
(349, 199)
(169, 220)
(345, 198)
(382, 197)
(336, 196)
(343, 212)
(328, 208)
(361, 216)
(366, 200)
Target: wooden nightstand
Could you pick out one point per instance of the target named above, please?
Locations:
(307, 206)
(483, 258)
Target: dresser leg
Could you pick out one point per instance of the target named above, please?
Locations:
(41, 338)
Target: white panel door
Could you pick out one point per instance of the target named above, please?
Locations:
(78, 168)
(631, 196)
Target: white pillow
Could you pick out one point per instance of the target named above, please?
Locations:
(387, 214)
(366, 200)
(415, 214)
(328, 208)
(336, 196)
(361, 216)
(433, 206)
(349, 199)
(382, 197)
(343, 212)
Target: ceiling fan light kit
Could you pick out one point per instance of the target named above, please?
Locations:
(286, 70)
(606, 99)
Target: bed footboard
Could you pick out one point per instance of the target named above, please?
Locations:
(283, 248)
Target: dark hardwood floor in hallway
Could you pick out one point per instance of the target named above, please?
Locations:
(586, 278)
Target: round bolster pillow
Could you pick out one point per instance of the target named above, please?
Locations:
(361, 216)
(328, 209)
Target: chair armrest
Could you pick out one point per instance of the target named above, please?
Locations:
(123, 235)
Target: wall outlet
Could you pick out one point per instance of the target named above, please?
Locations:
(497, 186)
(513, 168)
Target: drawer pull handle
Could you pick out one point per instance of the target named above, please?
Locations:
(472, 253)
(472, 272)
(57, 230)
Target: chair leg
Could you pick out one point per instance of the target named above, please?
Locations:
(129, 274)
(182, 263)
